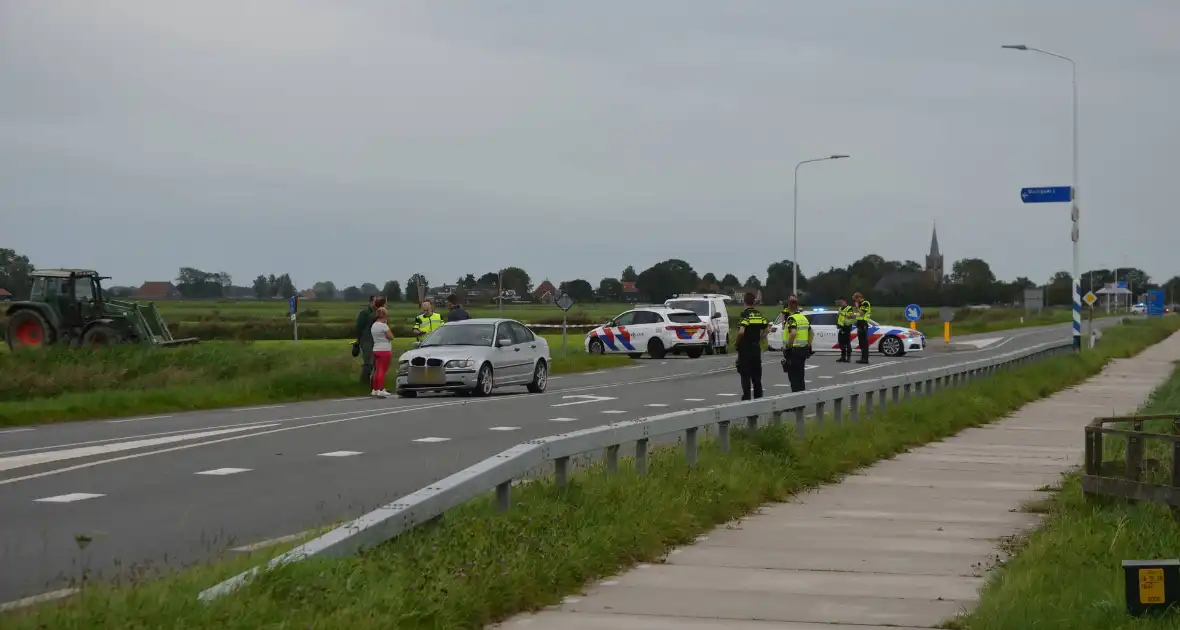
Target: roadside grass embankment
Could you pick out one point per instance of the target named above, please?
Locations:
(475, 565)
(59, 384)
(1067, 573)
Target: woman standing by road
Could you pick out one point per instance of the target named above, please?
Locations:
(382, 351)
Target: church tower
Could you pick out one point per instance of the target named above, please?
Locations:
(934, 258)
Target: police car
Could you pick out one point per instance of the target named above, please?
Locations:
(652, 330)
(891, 341)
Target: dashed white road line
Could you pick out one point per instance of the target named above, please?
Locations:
(432, 439)
(69, 498)
(236, 409)
(811, 367)
(137, 419)
(38, 599)
(655, 405)
(614, 411)
(826, 376)
(339, 454)
(694, 400)
(504, 428)
(563, 420)
(727, 394)
(223, 471)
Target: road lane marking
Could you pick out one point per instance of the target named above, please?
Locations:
(504, 429)
(223, 471)
(826, 376)
(69, 498)
(38, 599)
(655, 405)
(137, 419)
(614, 411)
(339, 454)
(432, 439)
(694, 400)
(14, 431)
(811, 367)
(727, 394)
(869, 367)
(270, 542)
(594, 373)
(563, 419)
(583, 399)
(33, 459)
(239, 409)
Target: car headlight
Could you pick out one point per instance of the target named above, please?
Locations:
(403, 367)
(459, 363)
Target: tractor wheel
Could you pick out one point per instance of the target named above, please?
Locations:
(27, 329)
(101, 336)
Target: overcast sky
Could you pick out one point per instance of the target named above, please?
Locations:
(367, 140)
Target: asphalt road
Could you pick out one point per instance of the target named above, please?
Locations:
(164, 491)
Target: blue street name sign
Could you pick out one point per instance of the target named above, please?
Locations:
(1155, 303)
(913, 313)
(293, 302)
(1047, 194)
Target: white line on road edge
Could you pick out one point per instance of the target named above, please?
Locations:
(339, 454)
(237, 409)
(504, 429)
(432, 439)
(868, 367)
(38, 599)
(727, 394)
(263, 544)
(694, 400)
(563, 420)
(69, 498)
(223, 471)
(655, 405)
(14, 431)
(137, 419)
(614, 411)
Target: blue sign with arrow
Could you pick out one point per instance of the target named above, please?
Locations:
(293, 303)
(1047, 194)
(1155, 303)
(913, 313)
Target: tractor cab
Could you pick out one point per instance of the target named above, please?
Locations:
(74, 295)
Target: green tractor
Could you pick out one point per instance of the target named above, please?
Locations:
(68, 306)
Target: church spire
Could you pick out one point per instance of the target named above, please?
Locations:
(934, 241)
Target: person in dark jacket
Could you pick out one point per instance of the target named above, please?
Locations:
(456, 312)
(364, 337)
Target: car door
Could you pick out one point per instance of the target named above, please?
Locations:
(647, 325)
(525, 352)
(823, 331)
(506, 355)
(616, 336)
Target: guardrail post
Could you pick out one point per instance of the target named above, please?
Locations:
(1134, 454)
(869, 403)
(561, 470)
(752, 422)
(908, 387)
(929, 383)
(690, 446)
(881, 398)
(777, 417)
(838, 411)
(854, 407)
(819, 412)
(641, 456)
(723, 435)
(504, 495)
(800, 428)
(612, 459)
(1175, 474)
(896, 393)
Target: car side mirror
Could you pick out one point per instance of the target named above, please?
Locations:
(503, 342)
(416, 345)
(717, 315)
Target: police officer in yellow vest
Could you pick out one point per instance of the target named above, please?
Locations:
(864, 310)
(845, 318)
(796, 344)
(751, 329)
(427, 321)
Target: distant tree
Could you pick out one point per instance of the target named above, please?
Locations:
(753, 283)
(417, 287)
(262, 287)
(578, 289)
(629, 275)
(1059, 289)
(610, 290)
(1171, 289)
(392, 291)
(369, 288)
(708, 281)
(283, 286)
(665, 279)
(354, 294)
(730, 282)
(467, 281)
(828, 286)
(15, 270)
(517, 279)
(910, 265)
(193, 283)
(324, 290)
(489, 279)
(779, 277)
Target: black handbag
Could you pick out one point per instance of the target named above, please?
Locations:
(356, 349)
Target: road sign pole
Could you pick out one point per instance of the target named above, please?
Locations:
(563, 320)
(1075, 214)
(295, 325)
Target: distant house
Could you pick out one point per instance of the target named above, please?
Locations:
(545, 292)
(630, 292)
(157, 291)
(5, 296)
(440, 294)
(307, 294)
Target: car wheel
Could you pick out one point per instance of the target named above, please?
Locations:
(655, 348)
(695, 353)
(407, 393)
(597, 347)
(540, 378)
(484, 385)
(891, 346)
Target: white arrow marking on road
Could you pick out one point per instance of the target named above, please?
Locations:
(582, 399)
(980, 343)
(33, 459)
(69, 498)
(221, 472)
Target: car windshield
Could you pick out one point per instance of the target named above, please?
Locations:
(683, 318)
(700, 307)
(461, 335)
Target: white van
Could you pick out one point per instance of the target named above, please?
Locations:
(711, 308)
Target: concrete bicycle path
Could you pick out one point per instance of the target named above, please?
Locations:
(904, 543)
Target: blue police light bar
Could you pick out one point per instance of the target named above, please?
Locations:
(817, 308)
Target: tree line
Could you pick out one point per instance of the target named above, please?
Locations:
(968, 281)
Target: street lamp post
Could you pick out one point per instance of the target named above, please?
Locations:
(1075, 213)
(795, 224)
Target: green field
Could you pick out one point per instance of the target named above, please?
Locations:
(477, 565)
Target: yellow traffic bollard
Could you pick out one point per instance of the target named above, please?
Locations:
(946, 332)
(913, 325)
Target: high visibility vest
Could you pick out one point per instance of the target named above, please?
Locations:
(802, 329)
(753, 318)
(846, 316)
(426, 324)
(865, 311)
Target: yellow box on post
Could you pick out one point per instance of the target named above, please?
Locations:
(946, 332)
(1152, 586)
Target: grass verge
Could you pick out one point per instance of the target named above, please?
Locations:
(475, 566)
(1068, 572)
(60, 384)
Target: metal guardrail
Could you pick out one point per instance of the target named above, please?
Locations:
(498, 472)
